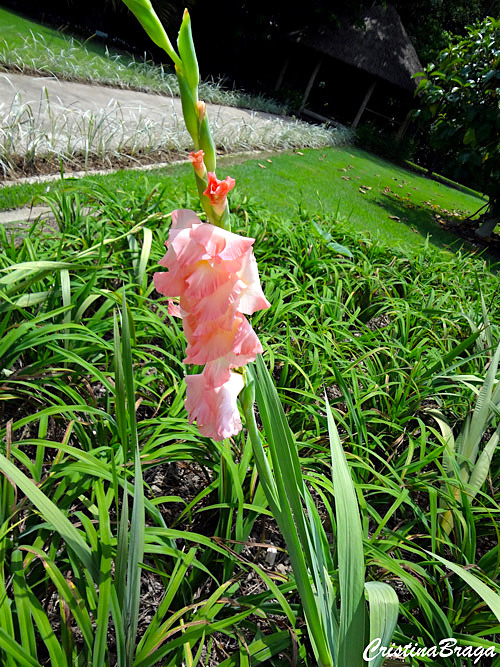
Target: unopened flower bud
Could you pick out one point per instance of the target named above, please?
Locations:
(217, 192)
(198, 164)
(201, 107)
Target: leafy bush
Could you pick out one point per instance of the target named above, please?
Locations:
(459, 97)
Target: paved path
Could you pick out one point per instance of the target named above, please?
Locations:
(57, 113)
(62, 112)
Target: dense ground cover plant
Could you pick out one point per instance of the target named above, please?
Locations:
(391, 336)
(48, 136)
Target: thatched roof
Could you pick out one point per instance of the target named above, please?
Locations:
(380, 46)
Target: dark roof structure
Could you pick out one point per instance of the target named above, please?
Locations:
(379, 46)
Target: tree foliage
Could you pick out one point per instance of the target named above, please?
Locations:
(460, 102)
(430, 23)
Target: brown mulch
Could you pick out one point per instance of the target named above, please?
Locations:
(49, 165)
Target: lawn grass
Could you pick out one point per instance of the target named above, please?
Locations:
(315, 181)
(14, 28)
(331, 180)
(17, 29)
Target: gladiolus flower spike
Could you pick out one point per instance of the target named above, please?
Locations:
(214, 274)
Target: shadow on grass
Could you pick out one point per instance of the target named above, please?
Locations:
(420, 221)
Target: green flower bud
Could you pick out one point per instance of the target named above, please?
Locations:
(188, 54)
(189, 109)
(247, 394)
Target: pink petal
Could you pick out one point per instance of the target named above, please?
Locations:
(184, 218)
(202, 349)
(208, 327)
(187, 250)
(217, 372)
(174, 310)
(220, 243)
(216, 304)
(205, 279)
(168, 283)
(215, 409)
(253, 298)
(241, 341)
(245, 340)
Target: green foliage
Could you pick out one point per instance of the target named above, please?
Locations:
(335, 616)
(442, 19)
(460, 101)
(389, 335)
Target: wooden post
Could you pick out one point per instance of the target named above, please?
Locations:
(310, 84)
(282, 74)
(403, 127)
(364, 103)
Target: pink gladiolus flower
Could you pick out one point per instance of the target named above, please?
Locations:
(214, 408)
(217, 191)
(198, 164)
(215, 276)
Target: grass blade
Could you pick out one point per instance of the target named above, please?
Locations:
(491, 598)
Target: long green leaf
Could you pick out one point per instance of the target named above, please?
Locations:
(491, 598)
(480, 418)
(78, 610)
(147, 17)
(288, 486)
(52, 514)
(106, 583)
(145, 251)
(137, 523)
(152, 635)
(262, 650)
(383, 606)
(482, 467)
(350, 554)
(21, 599)
(16, 651)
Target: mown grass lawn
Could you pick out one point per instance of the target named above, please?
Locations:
(391, 203)
(17, 30)
(359, 187)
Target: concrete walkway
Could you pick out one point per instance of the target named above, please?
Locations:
(63, 114)
(87, 97)
(23, 215)
(46, 114)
